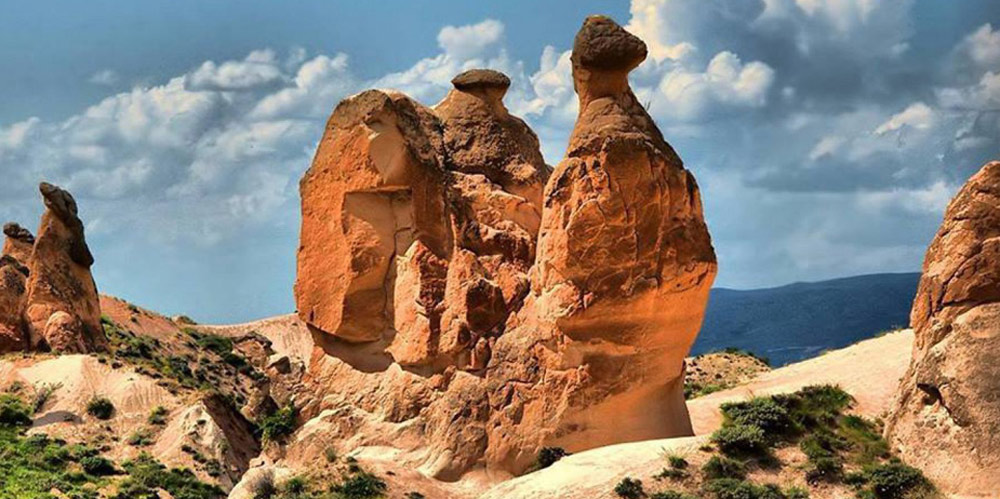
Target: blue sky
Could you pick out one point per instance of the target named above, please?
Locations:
(827, 136)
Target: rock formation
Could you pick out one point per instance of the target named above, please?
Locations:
(18, 242)
(447, 279)
(48, 299)
(621, 278)
(946, 419)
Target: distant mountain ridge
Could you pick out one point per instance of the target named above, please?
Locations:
(798, 321)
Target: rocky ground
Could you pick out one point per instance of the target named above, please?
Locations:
(201, 428)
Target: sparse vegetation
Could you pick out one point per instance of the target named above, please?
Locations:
(548, 456)
(278, 425)
(43, 392)
(100, 407)
(360, 485)
(723, 467)
(146, 474)
(13, 412)
(32, 466)
(630, 488)
(158, 416)
(741, 439)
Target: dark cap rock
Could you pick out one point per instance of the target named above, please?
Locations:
(15, 231)
(604, 45)
(474, 79)
(59, 201)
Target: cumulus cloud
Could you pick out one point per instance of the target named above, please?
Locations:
(983, 46)
(259, 70)
(726, 81)
(463, 42)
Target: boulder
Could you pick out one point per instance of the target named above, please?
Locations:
(946, 417)
(62, 298)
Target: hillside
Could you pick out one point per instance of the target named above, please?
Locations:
(798, 321)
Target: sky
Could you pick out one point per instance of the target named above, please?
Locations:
(827, 135)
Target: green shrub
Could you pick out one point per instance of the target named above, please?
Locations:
(762, 412)
(677, 462)
(629, 488)
(14, 412)
(140, 438)
(731, 488)
(741, 439)
(100, 408)
(278, 425)
(894, 480)
(361, 485)
(97, 466)
(723, 467)
(670, 494)
(158, 416)
(671, 473)
(146, 474)
(827, 469)
(548, 456)
(797, 493)
(215, 343)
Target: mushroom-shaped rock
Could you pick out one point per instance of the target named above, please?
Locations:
(18, 242)
(946, 419)
(620, 284)
(60, 280)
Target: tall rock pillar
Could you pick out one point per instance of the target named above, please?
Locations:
(621, 280)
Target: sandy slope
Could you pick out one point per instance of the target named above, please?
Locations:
(869, 370)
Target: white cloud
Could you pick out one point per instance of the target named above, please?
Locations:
(104, 77)
(983, 46)
(726, 81)
(259, 69)
(464, 42)
(918, 116)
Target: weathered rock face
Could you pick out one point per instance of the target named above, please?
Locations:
(13, 277)
(375, 188)
(446, 282)
(621, 279)
(419, 225)
(62, 308)
(947, 415)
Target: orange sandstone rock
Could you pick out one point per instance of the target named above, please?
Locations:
(13, 277)
(18, 242)
(620, 283)
(946, 419)
(467, 312)
(62, 306)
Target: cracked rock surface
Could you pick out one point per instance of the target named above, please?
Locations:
(946, 418)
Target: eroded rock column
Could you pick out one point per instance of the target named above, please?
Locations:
(946, 419)
(62, 306)
(623, 270)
